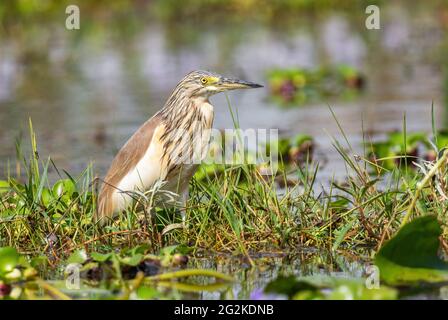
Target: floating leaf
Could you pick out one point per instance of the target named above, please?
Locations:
(190, 272)
(147, 293)
(411, 255)
(289, 286)
(328, 288)
(348, 289)
(191, 287)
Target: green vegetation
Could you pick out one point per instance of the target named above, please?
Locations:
(412, 255)
(130, 273)
(238, 211)
(390, 210)
(327, 288)
(171, 11)
(299, 86)
(399, 149)
(408, 259)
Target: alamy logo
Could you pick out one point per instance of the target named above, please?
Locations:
(231, 146)
(72, 280)
(72, 22)
(373, 20)
(373, 277)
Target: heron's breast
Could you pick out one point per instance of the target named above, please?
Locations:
(207, 112)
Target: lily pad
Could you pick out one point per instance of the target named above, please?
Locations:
(289, 286)
(411, 255)
(146, 293)
(328, 288)
(347, 289)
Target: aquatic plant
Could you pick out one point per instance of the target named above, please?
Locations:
(299, 86)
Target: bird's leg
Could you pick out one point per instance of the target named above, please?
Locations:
(183, 209)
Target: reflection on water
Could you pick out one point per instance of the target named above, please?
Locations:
(86, 94)
(269, 267)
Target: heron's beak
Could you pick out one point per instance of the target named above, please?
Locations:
(231, 84)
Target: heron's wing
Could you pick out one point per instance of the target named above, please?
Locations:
(126, 160)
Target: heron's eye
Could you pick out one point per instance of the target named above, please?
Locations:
(203, 80)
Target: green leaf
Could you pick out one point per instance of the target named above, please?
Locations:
(169, 250)
(100, 257)
(347, 289)
(64, 187)
(39, 262)
(147, 293)
(142, 248)
(46, 197)
(9, 258)
(184, 249)
(132, 260)
(411, 255)
(4, 186)
(79, 256)
(289, 286)
(340, 234)
(328, 288)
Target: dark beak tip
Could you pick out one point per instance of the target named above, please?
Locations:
(253, 85)
(240, 84)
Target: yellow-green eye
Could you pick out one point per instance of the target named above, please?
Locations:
(204, 80)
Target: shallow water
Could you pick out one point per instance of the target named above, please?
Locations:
(248, 281)
(317, 266)
(269, 266)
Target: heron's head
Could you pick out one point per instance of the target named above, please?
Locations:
(205, 83)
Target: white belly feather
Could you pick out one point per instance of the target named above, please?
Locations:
(151, 169)
(147, 171)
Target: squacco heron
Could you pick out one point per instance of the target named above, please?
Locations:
(152, 154)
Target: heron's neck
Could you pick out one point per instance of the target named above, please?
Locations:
(187, 129)
(184, 109)
(204, 111)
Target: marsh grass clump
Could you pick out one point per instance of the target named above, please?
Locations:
(46, 223)
(236, 210)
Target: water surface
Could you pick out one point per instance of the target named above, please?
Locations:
(87, 93)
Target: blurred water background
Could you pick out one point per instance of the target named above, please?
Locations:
(88, 90)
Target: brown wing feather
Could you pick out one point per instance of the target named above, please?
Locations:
(126, 159)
